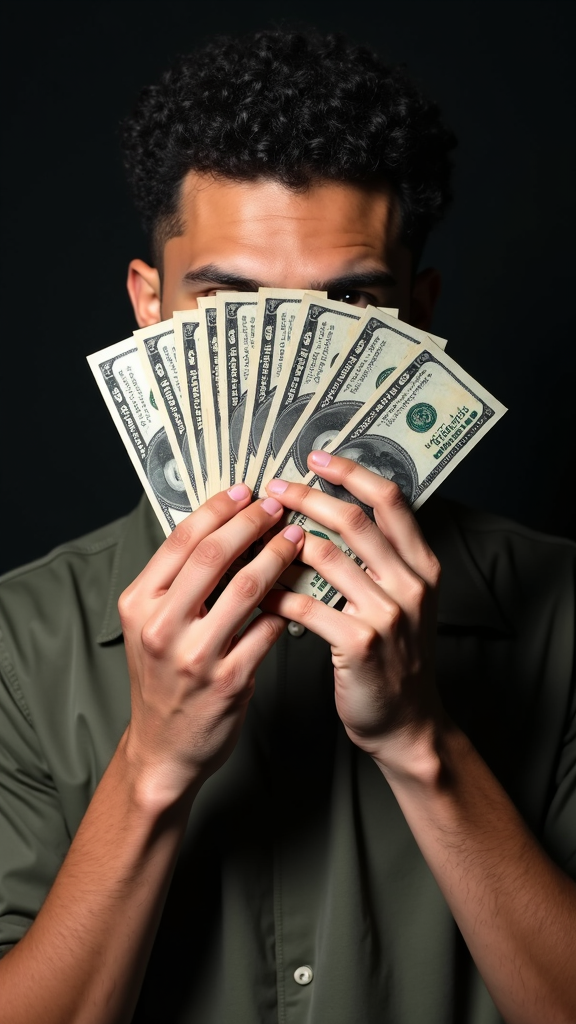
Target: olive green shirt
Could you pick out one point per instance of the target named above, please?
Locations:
(296, 855)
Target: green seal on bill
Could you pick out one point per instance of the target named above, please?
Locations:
(421, 417)
(318, 534)
(382, 376)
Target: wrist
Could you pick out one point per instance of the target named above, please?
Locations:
(420, 756)
(155, 788)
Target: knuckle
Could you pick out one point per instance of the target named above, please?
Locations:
(127, 607)
(364, 640)
(434, 570)
(190, 663)
(182, 536)
(356, 519)
(328, 553)
(246, 584)
(303, 495)
(229, 676)
(347, 468)
(391, 494)
(305, 607)
(215, 507)
(152, 637)
(393, 617)
(210, 552)
(417, 590)
(252, 516)
(270, 630)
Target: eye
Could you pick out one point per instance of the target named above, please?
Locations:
(352, 297)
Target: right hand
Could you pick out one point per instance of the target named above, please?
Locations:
(191, 676)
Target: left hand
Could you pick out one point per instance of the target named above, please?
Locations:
(383, 641)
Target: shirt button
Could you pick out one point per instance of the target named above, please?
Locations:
(303, 975)
(296, 629)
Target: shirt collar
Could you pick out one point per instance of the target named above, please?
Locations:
(465, 602)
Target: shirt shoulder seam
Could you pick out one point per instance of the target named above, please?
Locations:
(71, 548)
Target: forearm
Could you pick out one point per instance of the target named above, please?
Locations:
(515, 908)
(88, 948)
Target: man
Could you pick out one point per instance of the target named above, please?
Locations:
(306, 847)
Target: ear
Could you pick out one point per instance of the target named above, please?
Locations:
(143, 284)
(424, 296)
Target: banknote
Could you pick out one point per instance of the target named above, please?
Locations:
(324, 330)
(414, 430)
(123, 383)
(441, 342)
(157, 346)
(379, 344)
(186, 330)
(209, 370)
(236, 322)
(248, 384)
(277, 317)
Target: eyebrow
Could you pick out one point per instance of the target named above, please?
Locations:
(211, 273)
(354, 281)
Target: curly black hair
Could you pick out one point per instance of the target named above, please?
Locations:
(293, 106)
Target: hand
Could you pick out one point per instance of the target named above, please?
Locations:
(191, 677)
(383, 641)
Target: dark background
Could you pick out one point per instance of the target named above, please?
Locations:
(503, 74)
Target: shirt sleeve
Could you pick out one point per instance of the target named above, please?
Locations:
(33, 835)
(560, 826)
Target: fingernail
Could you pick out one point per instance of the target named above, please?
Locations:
(320, 458)
(294, 533)
(277, 486)
(271, 506)
(238, 492)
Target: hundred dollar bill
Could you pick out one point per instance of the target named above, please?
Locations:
(186, 330)
(441, 342)
(236, 322)
(324, 331)
(277, 317)
(415, 429)
(121, 378)
(157, 346)
(380, 344)
(207, 346)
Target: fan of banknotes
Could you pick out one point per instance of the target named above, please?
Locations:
(247, 385)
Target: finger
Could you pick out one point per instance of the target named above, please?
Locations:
(248, 587)
(391, 512)
(168, 560)
(254, 644)
(360, 533)
(211, 558)
(338, 630)
(364, 595)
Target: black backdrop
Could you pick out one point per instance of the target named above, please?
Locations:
(502, 73)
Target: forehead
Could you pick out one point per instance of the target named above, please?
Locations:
(262, 225)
